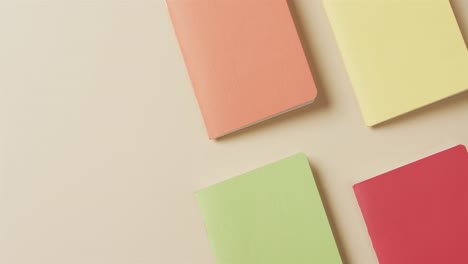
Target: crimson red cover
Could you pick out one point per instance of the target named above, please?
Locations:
(418, 214)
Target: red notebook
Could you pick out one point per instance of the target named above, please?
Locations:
(418, 214)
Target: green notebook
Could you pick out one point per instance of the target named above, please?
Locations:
(271, 215)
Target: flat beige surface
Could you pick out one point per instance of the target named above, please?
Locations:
(102, 144)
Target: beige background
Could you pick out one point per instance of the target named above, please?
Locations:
(102, 144)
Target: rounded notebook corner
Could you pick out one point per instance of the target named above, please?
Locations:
(302, 155)
(463, 147)
(370, 124)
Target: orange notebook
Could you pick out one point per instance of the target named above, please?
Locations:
(244, 58)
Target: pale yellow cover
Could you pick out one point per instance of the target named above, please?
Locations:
(400, 54)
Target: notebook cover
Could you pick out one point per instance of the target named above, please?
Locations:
(418, 214)
(272, 215)
(244, 58)
(399, 54)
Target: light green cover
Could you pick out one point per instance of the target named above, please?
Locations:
(271, 215)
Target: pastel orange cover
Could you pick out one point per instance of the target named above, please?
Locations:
(244, 58)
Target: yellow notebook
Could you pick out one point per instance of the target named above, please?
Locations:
(400, 54)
